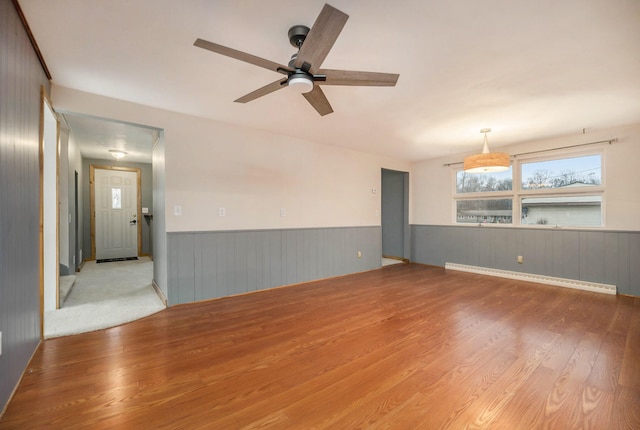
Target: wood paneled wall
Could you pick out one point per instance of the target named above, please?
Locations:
(609, 257)
(205, 265)
(21, 78)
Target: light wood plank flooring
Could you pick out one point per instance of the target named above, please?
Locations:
(403, 347)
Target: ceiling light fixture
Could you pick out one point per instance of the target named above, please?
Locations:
(486, 161)
(300, 82)
(117, 154)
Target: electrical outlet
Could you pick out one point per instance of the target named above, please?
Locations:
(283, 212)
(520, 259)
(177, 210)
(222, 212)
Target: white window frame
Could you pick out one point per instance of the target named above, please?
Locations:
(517, 193)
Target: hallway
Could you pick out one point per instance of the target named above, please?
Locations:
(105, 295)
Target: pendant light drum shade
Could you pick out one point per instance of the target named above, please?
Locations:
(483, 163)
(486, 161)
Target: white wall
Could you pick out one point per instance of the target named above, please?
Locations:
(432, 184)
(251, 173)
(254, 175)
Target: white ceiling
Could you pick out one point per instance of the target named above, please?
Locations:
(527, 69)
(97, 136)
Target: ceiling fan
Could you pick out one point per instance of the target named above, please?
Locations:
(303, 72)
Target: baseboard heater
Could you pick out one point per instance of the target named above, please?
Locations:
(541, 279)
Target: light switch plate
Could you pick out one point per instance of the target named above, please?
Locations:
(177, 210)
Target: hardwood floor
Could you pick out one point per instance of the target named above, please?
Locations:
(404, 347)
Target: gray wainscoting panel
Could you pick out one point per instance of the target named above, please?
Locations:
(609, 257)
(21, 77)
(634, 262)
(206, 265)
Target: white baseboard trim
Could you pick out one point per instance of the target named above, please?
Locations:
(529, 277)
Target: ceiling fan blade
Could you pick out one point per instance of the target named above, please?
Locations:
(321, 37)
(267, 89)
(354, 78)
(242, 56)
(318, 100)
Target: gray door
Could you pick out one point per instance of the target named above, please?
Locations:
(395, 220)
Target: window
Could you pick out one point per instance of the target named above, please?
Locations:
(492, 211)
(116, 198)
(561, 173)
(578, 211)
(485, 182)
(552, 191)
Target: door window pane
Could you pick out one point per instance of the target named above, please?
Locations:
(565, 172)
(116, 198)
(491, 211)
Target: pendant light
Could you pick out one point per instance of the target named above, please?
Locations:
(486, 161)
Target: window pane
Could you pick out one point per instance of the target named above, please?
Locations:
(116, 201)
(566, 172)
(494, 211)
(575, 211)
(476, 183)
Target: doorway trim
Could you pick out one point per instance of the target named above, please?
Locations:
(46, 216)
(92, 199)
(77, 263)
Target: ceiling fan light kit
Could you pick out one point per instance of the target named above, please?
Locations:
(303, 72)
(300, 82)
(486, 161)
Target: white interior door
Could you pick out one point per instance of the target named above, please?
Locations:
(116, 206)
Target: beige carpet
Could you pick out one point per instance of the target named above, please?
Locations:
(105, 295)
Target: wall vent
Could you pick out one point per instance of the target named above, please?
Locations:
(529, 277)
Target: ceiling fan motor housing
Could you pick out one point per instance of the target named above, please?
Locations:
(297, 34)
